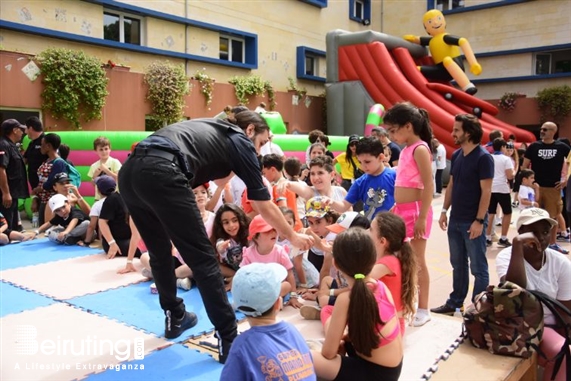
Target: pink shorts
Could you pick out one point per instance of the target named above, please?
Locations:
(409, 212)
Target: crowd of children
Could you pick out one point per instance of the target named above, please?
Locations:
(365, 277)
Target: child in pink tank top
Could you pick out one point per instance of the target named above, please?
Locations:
(414, 187)
(396, 263)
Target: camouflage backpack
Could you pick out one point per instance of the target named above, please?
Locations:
(505, 319)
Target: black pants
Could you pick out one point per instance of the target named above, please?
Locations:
(163, 208)
(438, 180)
(11, 214)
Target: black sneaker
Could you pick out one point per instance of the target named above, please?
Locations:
(175, 327)
(223, 348)
(504, 243)
(488, 242)
(445, 309)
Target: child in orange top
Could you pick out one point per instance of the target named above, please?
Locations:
(414, 188)
(396, 263)
(265, 250)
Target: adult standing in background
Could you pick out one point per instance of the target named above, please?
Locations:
(33, 155)
(156, 184)
(271, 147)
(469, 191)
(13, 180)
(440, 165)
(382, 134)
(547, 158)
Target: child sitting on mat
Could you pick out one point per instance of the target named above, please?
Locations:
(270, 349)
(70, 224)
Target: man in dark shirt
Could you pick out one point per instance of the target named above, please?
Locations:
(156, 184)
(468, 193)
(13, 184)
(33, 155)
(547, 158)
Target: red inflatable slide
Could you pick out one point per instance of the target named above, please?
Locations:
(391, 77)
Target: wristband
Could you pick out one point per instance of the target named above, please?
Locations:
(111, 242)
(37, 231)
(79, 199)
(293, 295)
(444, 210)
(332, 292)
(303, 285)
(129, 261)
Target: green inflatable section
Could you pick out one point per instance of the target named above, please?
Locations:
(275, 122)
(123, 140)
(83, 140)
(300, 142)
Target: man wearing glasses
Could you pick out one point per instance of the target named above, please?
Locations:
(547, 158)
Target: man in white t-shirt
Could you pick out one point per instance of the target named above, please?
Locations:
(440, 165)
(271, 147)
(503, 172)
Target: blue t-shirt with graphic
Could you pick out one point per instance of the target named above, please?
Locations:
(269, 352)
(376, 192)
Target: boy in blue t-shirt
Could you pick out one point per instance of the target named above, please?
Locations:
(376, 188)
(269, 349)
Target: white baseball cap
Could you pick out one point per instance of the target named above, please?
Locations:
(343, 222)
(57, 201)
(256, 287)
(532, 215)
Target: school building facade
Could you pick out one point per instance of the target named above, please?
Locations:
(523, 46)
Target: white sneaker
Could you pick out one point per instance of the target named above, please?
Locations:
(147, 273)
(420, 319)
(184, 284)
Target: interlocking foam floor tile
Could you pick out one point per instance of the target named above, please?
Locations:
(39, 251)
(176, 362)
(136, 306)
(73, 277)
(14, 300)
(59, 342)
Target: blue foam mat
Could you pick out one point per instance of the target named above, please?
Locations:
(134, 305)
(39, 251)
(176, 362)
(14, 300)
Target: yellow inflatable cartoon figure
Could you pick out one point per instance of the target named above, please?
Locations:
(446, 54)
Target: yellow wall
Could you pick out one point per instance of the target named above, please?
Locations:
(165, 35)
(281, 26)
(75, 17)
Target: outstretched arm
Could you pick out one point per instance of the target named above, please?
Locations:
(475, 67)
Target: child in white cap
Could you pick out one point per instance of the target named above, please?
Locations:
(269, 349)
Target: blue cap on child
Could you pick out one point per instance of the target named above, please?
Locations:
(256, 287)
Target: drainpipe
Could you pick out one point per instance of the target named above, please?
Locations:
(382, 14)
(186, 37)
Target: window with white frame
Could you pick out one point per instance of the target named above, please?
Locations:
(311, 65)
(122, 27)
(232, 49)
(359, 9)
(446, 5)
(553, 62)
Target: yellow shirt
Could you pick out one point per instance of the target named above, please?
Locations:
(347, 169)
